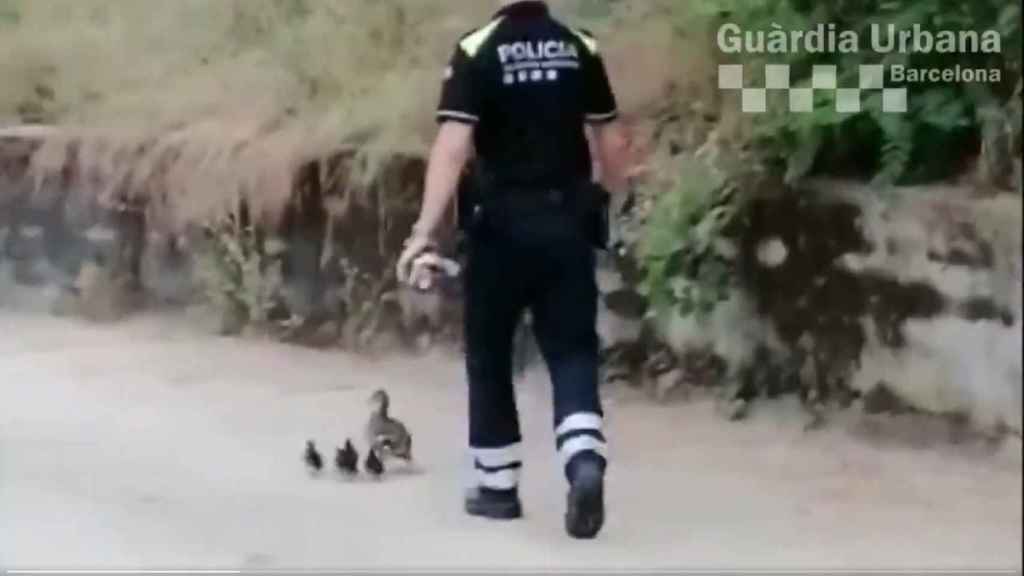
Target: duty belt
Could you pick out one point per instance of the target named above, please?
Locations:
(529, 198)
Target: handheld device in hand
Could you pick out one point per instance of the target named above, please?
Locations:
(428, 267)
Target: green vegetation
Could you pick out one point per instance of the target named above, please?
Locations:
(687, 264)
(944, 119)
(198, 103)
(8, 14)
(948, 126)
(240, 279)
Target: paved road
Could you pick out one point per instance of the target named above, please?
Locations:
(147, 445)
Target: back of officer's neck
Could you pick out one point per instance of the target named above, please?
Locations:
(526, 4)
(523, 8)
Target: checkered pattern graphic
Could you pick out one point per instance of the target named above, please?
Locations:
(777, 77)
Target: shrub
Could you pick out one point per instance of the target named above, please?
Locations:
(239, 278)
(687, 266)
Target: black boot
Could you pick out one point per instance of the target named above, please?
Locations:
(494, 504)
(584, 513)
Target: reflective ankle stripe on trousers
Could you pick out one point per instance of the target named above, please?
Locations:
(498, 468)
(580, 432)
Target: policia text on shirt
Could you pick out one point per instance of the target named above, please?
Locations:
(524, 91)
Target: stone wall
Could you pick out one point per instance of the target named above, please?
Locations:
(845, 293)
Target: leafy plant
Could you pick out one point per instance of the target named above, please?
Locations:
(686, 269)
(238, 277)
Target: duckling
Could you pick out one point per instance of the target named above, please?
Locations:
(373, 464)
(386, 434)
(312, 458)
(347, 459)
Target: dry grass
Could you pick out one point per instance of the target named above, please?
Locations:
(198, 102)
(195, 103)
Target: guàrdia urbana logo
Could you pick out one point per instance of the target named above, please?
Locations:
(890, 80)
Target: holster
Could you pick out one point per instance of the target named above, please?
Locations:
(469, 202)
(597, 213)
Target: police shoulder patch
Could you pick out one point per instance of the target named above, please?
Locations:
(587, 38)
(474, 40)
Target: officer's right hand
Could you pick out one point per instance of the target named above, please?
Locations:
(415, 246)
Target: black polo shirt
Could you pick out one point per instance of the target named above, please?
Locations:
(529, 83)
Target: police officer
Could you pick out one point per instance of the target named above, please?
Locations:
(524, 92)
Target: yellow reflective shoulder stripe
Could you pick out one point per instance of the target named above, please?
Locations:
(587, 40)
(471, 44)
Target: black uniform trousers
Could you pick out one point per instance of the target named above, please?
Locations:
(529, 250)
